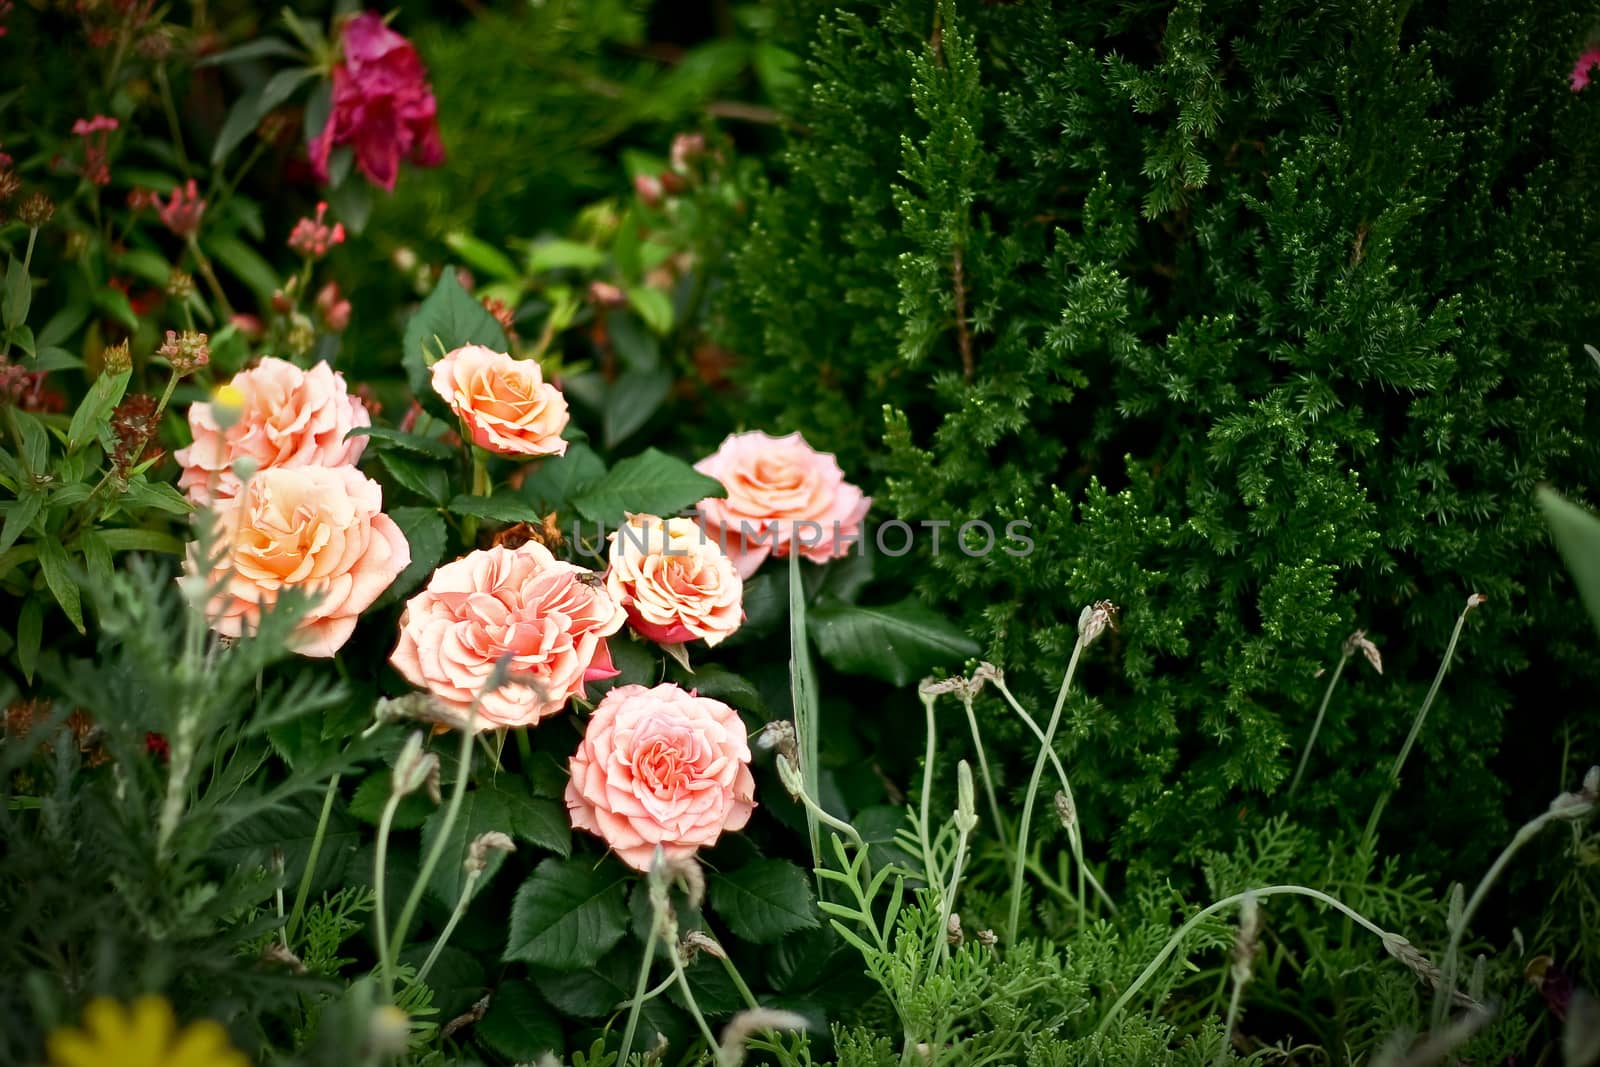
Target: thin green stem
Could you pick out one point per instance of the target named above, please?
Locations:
(1316, 725)
(931, 875)
(303, 893)
(694, 1007)
(739, 983)
(792, 780)
(637, 1004)
(380, 892)
(204, 265)
(947, 905)
(431, 861)
(173, 125)
(1442, 997)
(1230, 1023)
(1227, 902)
(1393, 782)
(1002, 834)
(1045, 750)
(450, 926)
(1074, 833)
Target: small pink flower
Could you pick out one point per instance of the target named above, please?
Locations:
(249, 325)
(183, 211)
(544, 613)
(660, 767)
(288, 417)
(1588, 59)
(314, 238)
(674, 582)
(334, 311)
(96, 135)
(649, 188)
(783, 495)
(320, 529)
(383, 106)
(506, 404)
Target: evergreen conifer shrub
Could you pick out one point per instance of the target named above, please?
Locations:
(1267, 316)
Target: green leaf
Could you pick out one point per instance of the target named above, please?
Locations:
(35, 440)
(114, 302)
(20, 514)
(261, 48)
(351, 200)
(54, 358)
(899, 643)
(561, 255)
(719, 683)
(97, 559)
(653, 306)
(652, 483)
(240, 123)
(30, 635)
(157, 496)
(631, 400)
(150, 266)
(504, 804)
(246, 264)
(1577, 537)
(558, 479)
(95, 409)
(639, 348)
(427, 480)
(568, 914)
(447, 319)
(64, 323)
(482, 256)
(764, 900)
(280, 87)
(19, 292)
(129, 540)
(503, 506)
(290, 828)
(519, 1024)
(382, 437)
(372, 795)
(59, 577)
(425, 532)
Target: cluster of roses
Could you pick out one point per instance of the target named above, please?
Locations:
(658, 767)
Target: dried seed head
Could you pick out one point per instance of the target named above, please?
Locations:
(1359, 641)
(1421, 966)
(117, 358)
(742, 1026)
(186, 352)
(696, 942)
(1094, 619)
(1476, 600)
(789, 775)
(779, 736)
(483, 846)
(1065, 811)
(180, 285)
(987, 672)
(37, 209)
(934, 687)
(274, 952)
(1578, 805)
(953, 932)
(988, 938)
(412, 767)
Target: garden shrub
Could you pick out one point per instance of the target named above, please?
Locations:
(1266, 317)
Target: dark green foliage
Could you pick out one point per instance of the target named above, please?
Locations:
(1272, 312)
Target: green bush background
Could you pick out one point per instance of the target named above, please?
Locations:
(1274, 314)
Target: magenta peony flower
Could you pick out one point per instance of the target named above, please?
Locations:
(1588, 59)
(383, 106)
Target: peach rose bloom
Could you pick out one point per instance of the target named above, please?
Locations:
(506, 403)
(320, 529)
(674, 582)
(553, 617)
(287, 417)
(777, 485)
(660, 767)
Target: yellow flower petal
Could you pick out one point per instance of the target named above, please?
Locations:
(203, 1044)
(74, 1048)
(153, 1028)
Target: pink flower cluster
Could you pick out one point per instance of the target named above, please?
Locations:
(313, 238)
(1588, 59)
(383, 106)
(272, 461)
(183, 210)
(96, 135)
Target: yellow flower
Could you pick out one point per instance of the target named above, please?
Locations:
(144, 1034)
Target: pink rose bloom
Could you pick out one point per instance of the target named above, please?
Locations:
(660, 767)
(383, 105)
(543, 611)
(782, 495)
(506, 403)
(674, 582)
(1588, 59)
(287, 417)
(320, 529)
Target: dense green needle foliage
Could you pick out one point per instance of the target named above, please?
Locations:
(1266, 316)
